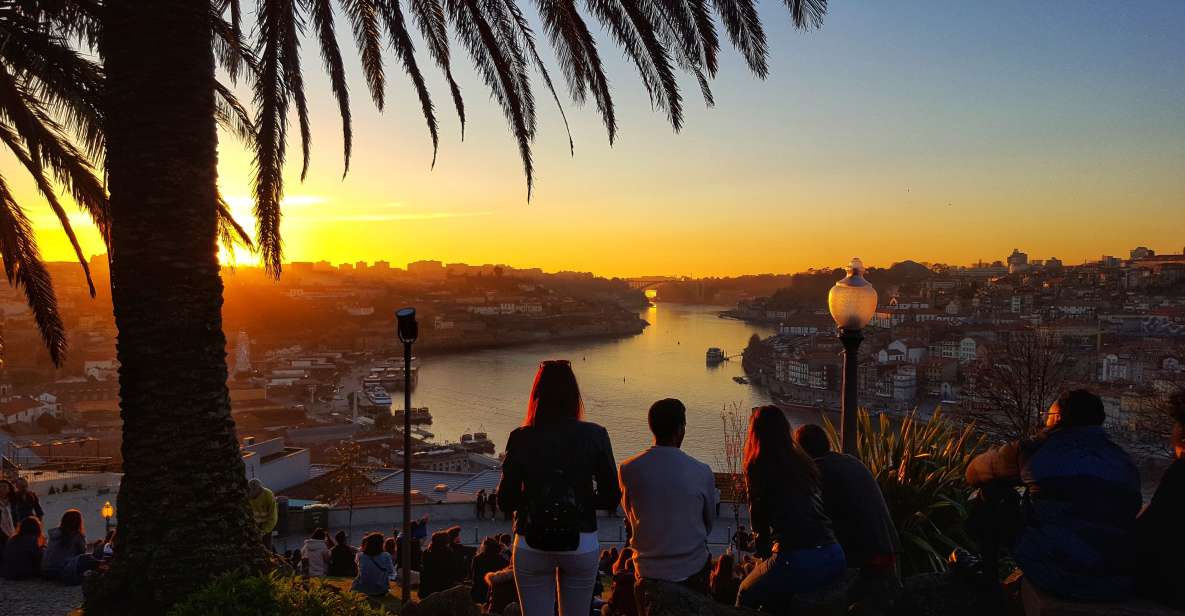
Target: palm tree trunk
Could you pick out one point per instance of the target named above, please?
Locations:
(182, 509)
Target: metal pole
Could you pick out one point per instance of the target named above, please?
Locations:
(851, 339)
(407, 538)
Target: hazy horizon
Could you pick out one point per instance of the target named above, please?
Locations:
(957, 132)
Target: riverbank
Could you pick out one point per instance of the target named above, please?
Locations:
(505, 339)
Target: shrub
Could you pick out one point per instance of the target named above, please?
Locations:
(921, 467)
(273, 594)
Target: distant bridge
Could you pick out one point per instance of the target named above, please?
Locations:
(646, 282)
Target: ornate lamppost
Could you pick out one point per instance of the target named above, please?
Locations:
(852, 302)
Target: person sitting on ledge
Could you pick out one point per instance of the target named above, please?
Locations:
(1077, 539)
(792, 533)
(669, 500)
(857, 509)
(725, 583)
(314, 554)
(1160, 540)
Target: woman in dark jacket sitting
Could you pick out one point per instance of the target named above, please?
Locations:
(792, 533)
(558, 471)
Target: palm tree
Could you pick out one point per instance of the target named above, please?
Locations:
(182, 513)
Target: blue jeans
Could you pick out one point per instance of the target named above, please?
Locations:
(775, 580)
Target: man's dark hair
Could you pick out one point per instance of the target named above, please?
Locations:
(1080, 407)
(666, 417)
(813, 440)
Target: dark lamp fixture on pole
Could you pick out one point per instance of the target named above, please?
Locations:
(852, 302)
(408, 330)
(108, 512)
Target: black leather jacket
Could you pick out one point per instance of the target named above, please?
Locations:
(580, 448)
(792, 517)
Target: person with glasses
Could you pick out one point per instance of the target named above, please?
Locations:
(558, 471)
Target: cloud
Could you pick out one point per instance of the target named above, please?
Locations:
(389, 217)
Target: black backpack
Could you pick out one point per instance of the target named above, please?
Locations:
(553, 518)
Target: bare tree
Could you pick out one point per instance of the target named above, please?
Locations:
(731, 459)
(349, 479)
(1010, 388)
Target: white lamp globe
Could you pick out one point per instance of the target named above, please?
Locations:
(852, 301)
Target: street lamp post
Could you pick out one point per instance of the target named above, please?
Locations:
(408, 331)
(108, 511)
(852, 302)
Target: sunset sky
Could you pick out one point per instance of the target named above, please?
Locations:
(937, 130)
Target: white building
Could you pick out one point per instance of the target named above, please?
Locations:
(26, 409)
(276, 465)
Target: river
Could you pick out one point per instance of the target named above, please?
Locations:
(619, 379)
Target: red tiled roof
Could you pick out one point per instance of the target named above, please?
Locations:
(17, 405)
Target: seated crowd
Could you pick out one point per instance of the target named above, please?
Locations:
(817, 517)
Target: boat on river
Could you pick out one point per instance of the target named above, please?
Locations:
(716, 355)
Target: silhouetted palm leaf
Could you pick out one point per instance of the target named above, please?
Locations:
(24, 270)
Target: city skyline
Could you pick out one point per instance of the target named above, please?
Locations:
(956, 133)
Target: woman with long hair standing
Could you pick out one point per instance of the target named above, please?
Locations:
(558, 471)
(793, 536)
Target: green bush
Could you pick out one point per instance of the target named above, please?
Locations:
(273, 594)
(921, 467)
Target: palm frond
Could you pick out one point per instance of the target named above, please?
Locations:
(579, 59)
(428, 15)
(637, 35)
(271, 124)
(293, 26)
(526, 39)
(64, 81)
(807, 14)
(745, 31)
(33, 166)
(25, 271)
(402, 43)
(230, 232)
(231, 115)
(479, 38)
(321, 16)
(46, 142)
(364, 19)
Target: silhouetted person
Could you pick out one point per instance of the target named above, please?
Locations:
(669, 500)
(441, 569)
(492, 504)
(343, 557)
(1078, 535)
(1159, 529)
(480, 504)
(724, 583)
(24, 551)
(792, 534)
(8, 519)
(622, 600)
(548, 479)
(25, 503)
(856, 507)
(488, 560)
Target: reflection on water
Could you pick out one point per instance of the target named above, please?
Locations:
(619, 379)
